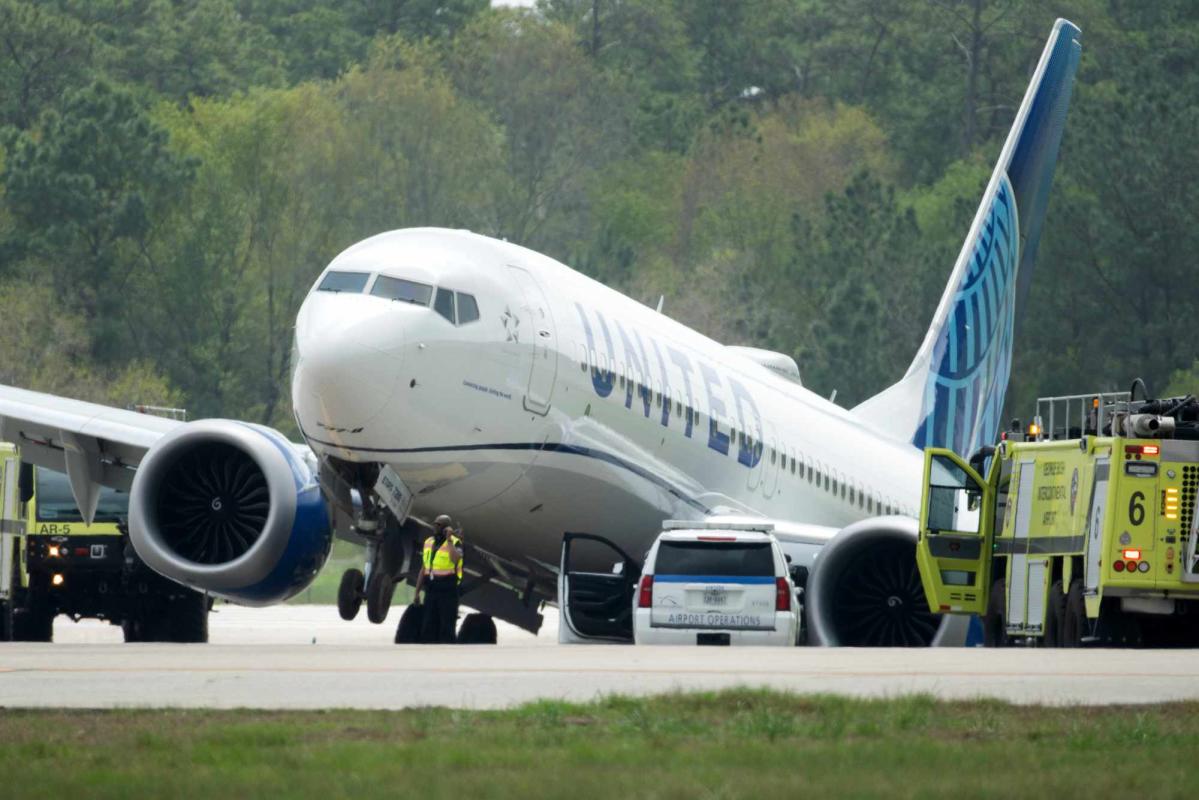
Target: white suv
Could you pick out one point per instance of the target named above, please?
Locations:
(716, 586)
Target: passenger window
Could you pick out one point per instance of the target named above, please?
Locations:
(351, 282)
(444, 304)
(468, 309)
(404, 291)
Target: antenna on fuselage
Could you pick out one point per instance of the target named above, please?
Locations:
(661, 302)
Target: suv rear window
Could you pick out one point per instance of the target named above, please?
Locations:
(741, 559)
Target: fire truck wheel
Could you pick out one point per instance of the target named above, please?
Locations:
(5, 621)
(1074, 619)
(34, 624)
(132, 630)
(1054, 614)
(994, 624)
(188, 618)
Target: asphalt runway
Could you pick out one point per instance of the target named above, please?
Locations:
(304, 657)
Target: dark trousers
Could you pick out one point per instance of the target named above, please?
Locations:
(441, 612)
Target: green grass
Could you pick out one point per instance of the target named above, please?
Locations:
(731, 744)
(345, 555)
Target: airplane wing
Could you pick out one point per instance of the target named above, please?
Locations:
(95, 445)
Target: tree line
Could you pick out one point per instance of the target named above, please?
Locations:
(791, 174)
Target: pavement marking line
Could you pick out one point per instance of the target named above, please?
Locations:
(598, 671)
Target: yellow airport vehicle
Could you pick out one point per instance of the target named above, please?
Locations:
(1082, 531)
(52, 563)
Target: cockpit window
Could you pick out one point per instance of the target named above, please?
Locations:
(468, 309)
(444, 304)
(353, 282)
(402, 290)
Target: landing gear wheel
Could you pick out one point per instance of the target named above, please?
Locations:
(477, 629)
(349, 594)
(408, 631)
(379, 590)
(1074, 618)
(994, 622)
(1054, 614)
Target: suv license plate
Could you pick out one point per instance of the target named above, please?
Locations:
(715, 597)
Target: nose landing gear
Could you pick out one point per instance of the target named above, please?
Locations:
(349, 593)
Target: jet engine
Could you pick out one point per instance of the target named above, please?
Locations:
(231, 509)
(864, 591)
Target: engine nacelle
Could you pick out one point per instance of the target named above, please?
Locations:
(231, 509)
(864, 591)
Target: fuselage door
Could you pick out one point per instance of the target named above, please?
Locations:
(537, 323)
(596, 580)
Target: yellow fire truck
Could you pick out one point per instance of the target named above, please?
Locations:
(52, 563)
(1081, 532)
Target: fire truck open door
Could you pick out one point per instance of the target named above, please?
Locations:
(954, 545)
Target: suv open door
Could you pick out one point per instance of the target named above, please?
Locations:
(596, 606)
(954, 546)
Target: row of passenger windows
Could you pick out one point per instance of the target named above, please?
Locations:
(457, 307)
(802, 469)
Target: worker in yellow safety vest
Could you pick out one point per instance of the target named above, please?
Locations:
(440, 577)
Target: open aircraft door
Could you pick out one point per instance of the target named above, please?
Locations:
(596, 604)
(953, 550)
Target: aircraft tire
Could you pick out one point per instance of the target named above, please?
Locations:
(477, 628)
(379, 590)
(408, 631)
(349, 594)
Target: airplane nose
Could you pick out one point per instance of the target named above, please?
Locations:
(348, 351)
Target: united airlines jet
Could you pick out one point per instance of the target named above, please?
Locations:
(439, 371)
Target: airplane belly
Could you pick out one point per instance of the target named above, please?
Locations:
(567, 490)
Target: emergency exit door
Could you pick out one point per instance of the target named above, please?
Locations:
(537, 323)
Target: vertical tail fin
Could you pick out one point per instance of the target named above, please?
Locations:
(952, 394)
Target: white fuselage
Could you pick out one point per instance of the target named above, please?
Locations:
(532, 421)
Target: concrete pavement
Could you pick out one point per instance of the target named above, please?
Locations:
(266, 658)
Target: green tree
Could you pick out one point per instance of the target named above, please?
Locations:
(41, 54)
(84, 188)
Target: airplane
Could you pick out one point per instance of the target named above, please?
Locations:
(440, 371)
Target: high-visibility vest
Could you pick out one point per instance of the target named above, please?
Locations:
(441, 564)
